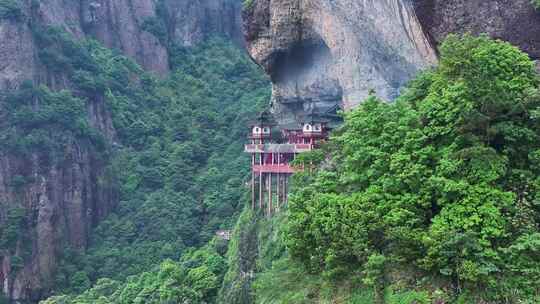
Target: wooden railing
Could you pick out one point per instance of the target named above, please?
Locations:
(276, 168)
(261, 148)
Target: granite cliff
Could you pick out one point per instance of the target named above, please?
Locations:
(517, 22)
(323, 53)
(141, 29)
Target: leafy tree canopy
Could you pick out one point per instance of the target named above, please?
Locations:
(194, 279)
(445, 182)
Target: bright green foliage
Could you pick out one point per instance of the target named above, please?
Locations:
(13, 228)
(38, 119)
(247, 4)
(195, 279)
(11, 10)
(536, 3)
(280, 279)
(374, 275)
(445, 180)
(178, 159)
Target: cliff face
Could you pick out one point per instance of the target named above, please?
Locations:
(335, 52)
(62, 198)
(192, 21)
(326, 52)
(514, 21)
(141, 29)
(61, 203)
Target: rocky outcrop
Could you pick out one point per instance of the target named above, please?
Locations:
(127, 25)
(192, 21)
(16, 54)
(322, 52)
(61, 203)
(328, 52)
(131, 26)
(515, 21)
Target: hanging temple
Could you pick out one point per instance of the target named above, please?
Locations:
(273, 147)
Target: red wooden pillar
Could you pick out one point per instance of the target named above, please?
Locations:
(279, 192)
(252, 181)
(270, 194)
(286, 189)
(278, 182)
(260, 181)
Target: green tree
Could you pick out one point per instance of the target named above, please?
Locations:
(11, 10)
(445, 179)
(178, 153)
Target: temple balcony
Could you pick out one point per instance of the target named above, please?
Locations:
(277, 148)
(275, 168)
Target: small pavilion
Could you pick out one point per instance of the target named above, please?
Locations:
(273, 147)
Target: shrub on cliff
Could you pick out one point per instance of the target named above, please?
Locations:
(11, 10)
(46, 121)
(445, 180)
(179, 161)
(247, 4)
(536, 3)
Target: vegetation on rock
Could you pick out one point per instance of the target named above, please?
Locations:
(443, 184)
(38, 119)
(194, 279)
(11, 10)
(178, 150)
(536, 3)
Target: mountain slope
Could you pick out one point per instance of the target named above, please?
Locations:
(61, 132)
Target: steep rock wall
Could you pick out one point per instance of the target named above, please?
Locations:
(327, 52)
(322, 52)
(190, 21)
(62, 202)
(122, 25)
(515, 21)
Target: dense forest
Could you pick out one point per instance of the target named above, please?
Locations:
(176, 157)
(432, 199)
(182, 175)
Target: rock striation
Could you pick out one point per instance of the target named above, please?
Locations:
(515, 21)
(324, 53)
(335, 52)
(127, 25)
(62, 202)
